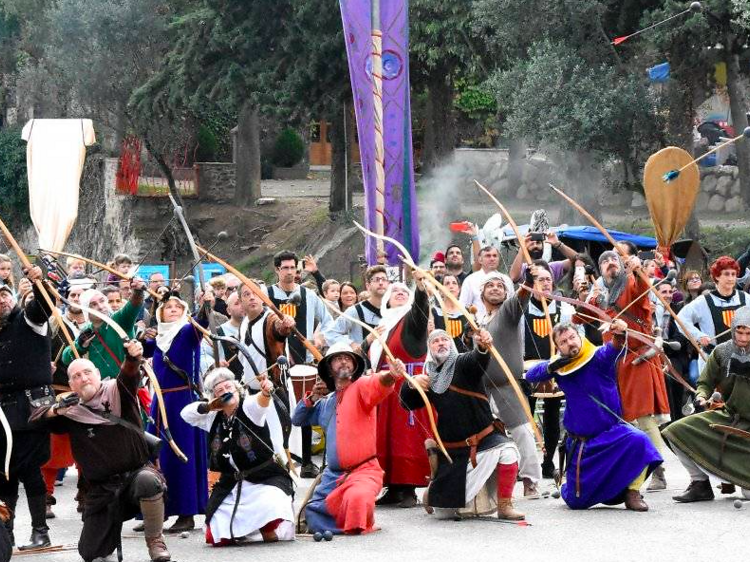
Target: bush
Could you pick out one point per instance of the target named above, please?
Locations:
(288, 150)
(208, 145)
(14, 186)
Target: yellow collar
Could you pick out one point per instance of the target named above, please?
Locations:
(584, 356)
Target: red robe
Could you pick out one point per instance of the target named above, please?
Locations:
(643, 390)
(401, 434)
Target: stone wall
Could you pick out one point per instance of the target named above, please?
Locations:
(106, 219)
(216, 181)
(720, 190)
(720, 185)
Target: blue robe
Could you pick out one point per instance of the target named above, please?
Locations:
(187, 482)
(614, 452)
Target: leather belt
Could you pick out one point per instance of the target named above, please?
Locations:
(473, 441)
(175, 389)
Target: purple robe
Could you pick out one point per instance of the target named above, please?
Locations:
(187, 483)
(604, 453)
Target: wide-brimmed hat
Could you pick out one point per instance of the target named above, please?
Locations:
(324, 367)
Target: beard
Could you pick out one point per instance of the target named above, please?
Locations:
(536, 254)
(344, 374)
(441, 355)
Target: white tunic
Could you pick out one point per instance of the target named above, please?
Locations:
(259, 503)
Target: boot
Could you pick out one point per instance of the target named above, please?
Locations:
(658, 481)
(727, 488)
(153, 523)
(50, 502)
(697, 491)
(39, 529)
(309, 470)
(548, 468)
(506, 479)
(634, 501)
(505, 510)
(183, 523)
(392, 496)
(408, 498)
(530, 491)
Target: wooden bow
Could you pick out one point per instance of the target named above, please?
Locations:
(39, 285)
(99, 265)
(265, 298)
(638, 336)
(146, 367)
(526, 256)
(414, 384)
(472, 322)
(638, 271)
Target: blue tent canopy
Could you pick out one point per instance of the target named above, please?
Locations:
(592, 234)
(659, 73)
(587, 234)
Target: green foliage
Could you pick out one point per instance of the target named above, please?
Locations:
(208, 145)
(289, 149)
(14, 189)
(476, 102)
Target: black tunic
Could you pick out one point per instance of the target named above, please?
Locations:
(459, 416)
(251, 450)
(25, 375)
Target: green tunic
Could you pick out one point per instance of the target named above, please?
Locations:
(106, 351)
(693, 436)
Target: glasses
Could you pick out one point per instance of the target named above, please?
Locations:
(693, 279)
(379, 280)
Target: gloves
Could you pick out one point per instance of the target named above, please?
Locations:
(557, 364)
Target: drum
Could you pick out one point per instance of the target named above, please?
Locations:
(303, 379)
(546, 389)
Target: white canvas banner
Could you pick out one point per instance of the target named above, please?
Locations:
(55, 153)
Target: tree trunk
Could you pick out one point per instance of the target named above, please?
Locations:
(681, 112)
(739, 122)
(339, 147)
(439, 127)
(247, 166)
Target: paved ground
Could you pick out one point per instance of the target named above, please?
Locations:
(668, 532)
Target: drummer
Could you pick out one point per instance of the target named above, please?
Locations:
(537, 348)
(264, 336)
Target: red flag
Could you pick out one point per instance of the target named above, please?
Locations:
(617, 40)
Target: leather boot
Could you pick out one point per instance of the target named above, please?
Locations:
(183, 523)
(505, 510)
(50, 502)
(39, 529)
(658, 481)
(697, 491)
(634, 501)
(727, 488)
(153, 525)
(530, 490)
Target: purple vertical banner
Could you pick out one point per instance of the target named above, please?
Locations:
(400, 212)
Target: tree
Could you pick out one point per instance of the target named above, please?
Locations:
(443, 50)
(692, 53)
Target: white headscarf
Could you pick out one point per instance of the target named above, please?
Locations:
(167, 331)
(389, 318)
(85, 301)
